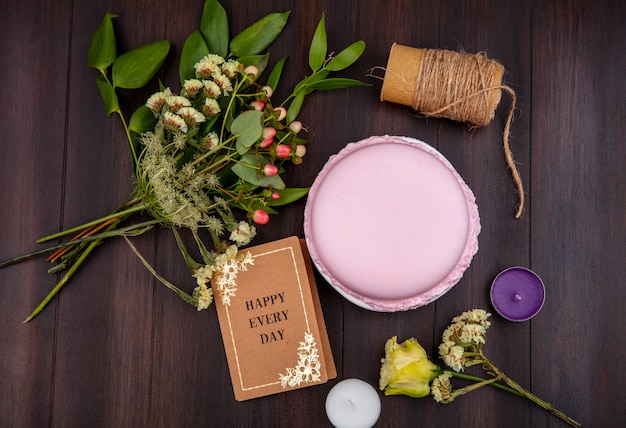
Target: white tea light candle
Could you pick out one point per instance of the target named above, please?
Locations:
(353, 403)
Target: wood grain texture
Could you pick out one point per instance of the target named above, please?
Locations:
(118, 349)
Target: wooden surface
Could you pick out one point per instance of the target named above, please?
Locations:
(118, 349)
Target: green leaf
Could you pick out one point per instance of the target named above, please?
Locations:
(102, 49)
(142, 120)
(194, 49)
(274, 77)
(258, 36)
(214, 27)
(294, 108)
(135, 68)
(109, 97)
(259, 61)
(305, 84)
(247, 129)
(346, 57)
(288, 196)
(336, 83)
(249, 171)
(319, 46)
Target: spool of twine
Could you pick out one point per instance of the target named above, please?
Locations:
(458, 86)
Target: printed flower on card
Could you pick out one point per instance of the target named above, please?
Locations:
(308, 367)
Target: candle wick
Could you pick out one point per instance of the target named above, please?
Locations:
(352, 405)
(517, 297)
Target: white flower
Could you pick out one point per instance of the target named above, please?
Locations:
(472, 333)
(173, 122)
(204, 296)
(453, 356)
(191, 115)
(213, 59)
(441, 388)
(223, 82)
(210, 141)
(211, 107)
(203, 274)
(176, 102)
(191, 87)
(208, 66)
(231, 68)
(215, 225)
(477, 316)
(243, 234)
(157, 101)
(211, 89)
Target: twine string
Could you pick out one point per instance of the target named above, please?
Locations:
(455, 86)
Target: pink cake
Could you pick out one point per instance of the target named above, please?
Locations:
(390, 224)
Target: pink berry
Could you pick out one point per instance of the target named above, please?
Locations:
(260, 217)
(300, 150)
(258, 105)
(282, 113)
(283, 150)
(268, 90)
(251, 69)
(264, 144)
(275, 196)
(270, 170)
(295, 126)
(268, 132)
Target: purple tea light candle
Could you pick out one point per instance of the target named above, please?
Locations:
(517, 294)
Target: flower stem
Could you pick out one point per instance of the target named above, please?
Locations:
(480, 379)
(532, 397)
(462, 391)
(83, 255)
(191, 263)
(135, 229)
(186, 297)
(123, 213)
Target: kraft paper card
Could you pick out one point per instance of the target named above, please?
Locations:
(271, 320)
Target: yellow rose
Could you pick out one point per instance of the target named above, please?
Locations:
(406, 370)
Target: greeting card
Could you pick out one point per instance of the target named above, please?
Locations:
(271, 320)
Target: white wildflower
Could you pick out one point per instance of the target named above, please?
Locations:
(231, 68)
(204, 296)
(441, 388)
(223, 82)
(453, 357)
(157, 101)
(211, 107)
(210, 141)
(215, 225)
(472, 333)
(208, 66)
(173, 122)
(211, 180)
(477, 316)
(191, 87)
(191, 116)
(211, 89)
(243, 234)
(176, 102)
(179, 138)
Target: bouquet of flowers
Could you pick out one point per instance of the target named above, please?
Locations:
(406, 369)
(208, 157)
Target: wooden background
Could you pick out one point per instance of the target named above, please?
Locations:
(118, 349)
